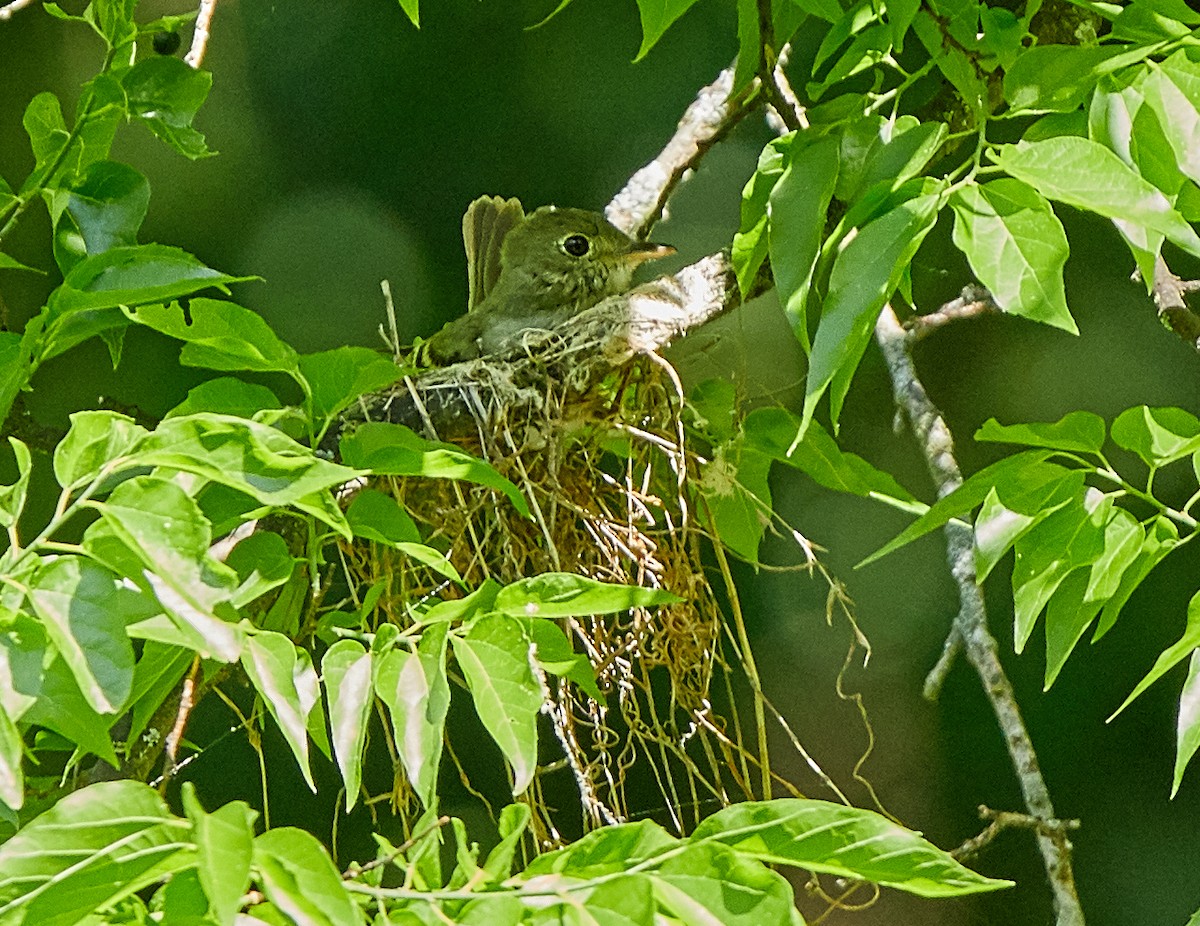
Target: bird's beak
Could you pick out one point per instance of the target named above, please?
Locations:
(643, 251)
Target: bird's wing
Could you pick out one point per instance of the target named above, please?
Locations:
(486, 222)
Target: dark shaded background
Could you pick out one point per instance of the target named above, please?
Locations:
(350, 144)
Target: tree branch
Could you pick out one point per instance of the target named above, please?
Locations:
(972, 301)
(970, 625)
(1168, 291)
(200, 33)
(10, 9)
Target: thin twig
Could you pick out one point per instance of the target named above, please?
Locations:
(1004, 820)
(974, 300)
(200, 33)
(187, 700)
(705, 122)
(10, 9)
(971, 622)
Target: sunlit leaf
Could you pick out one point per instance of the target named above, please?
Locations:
(1187, 737)
(710, 883)
(298, 877)
(1157, 435)
(284, 676)
(347, 669)
(224, 849)
(565, 594)
(1171, 656)
(1077, 431)
(657, 17)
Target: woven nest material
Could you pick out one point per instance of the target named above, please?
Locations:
(602, 456)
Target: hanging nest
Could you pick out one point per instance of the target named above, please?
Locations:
(593, 435)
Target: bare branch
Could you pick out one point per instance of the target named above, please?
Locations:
(200, 33)
(974, 300)
(10, 9)
(970, 625)
(1168, 292)
(705, 122)
(1004, 820)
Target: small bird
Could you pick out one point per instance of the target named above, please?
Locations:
(533, 272)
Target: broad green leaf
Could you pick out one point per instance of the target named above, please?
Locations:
(1157, 435)
(226, 396)
(1123, 540)
(1067, 539)
(251, 457)
(416, 691)
(338, 377)
(864, 276)
(24, 653)
(555, 655)
(220, 335)
(283, 674)
(347, 669)
(749, 55)
(12, 781)
(1172, 90)
(159, 668)
(796, 212)
(16, 362)
(1016, 247)
(1000, 524)
(657, 16)
(494, 657)
(1012, 473)
(750, 244)
(394, 450)
(512, 826)
(843, 841)
(1187, 737)
(1059, 78)
(48, 135)
(1140, 23)
(375, 515)
(11, 263)
(1082, 173)
(165, 94)
(462, 609)
(12, 497)
(410, 8)
(103, 209)
(565, 594)
(710, 883)
(298, 877)
(92, 848)
(1068, 616)
(905, 148)
(1160, 539)
(1081, 432)
(62, 707)
(224, 849)
(95, 440)
(262, 562)
(774, 431)
(84, 609)
(712, 410)
(737, 496)
(1171, 656)
(163, 530)
(608, 850)
(433, 558)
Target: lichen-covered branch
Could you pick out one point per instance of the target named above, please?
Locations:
(1168, 291)
(970, 625)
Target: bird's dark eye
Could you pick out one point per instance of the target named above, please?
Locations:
(576, 245)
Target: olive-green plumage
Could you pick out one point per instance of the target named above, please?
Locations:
(534, 272)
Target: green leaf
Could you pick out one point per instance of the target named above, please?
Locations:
(494, 657)
(1171, 656)
(1016, 247)
(220, 335)
(347, 669)
(16, 362)
(433, 558)
(162, 527)
(24, 653)
(61, 707)
(338, 377)
(298, 877)
(737, 496)
(416, 691)
(1172, 90)
(555, 655)
(375, 515)
(165, 94)
(1160, 539)
(710, 883)
(262, 562)
(94, 847)
(463, 609)
(394, 450)
(865, 274)
(1068, 616)
(96, 440)
(774, 431)
(512, 826)
(1067, 539)
(283, 674)
(1157, 435)
(1080, 432)
(12, 781)
(657, 17)
(1187, 737)
(750, 244)
(104, 209)
(11, 263)
(843, 841)
(1011, 474)
(1000, 524)
(796, 213)
(749, 55)
(85, 610)
(608, 850)
(12, 497)
(410, 10)
(565, 594)
(224, 849)
(1058, 78)
(1082, 173)
(159, 668)
(48, 135)
(226, 396)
